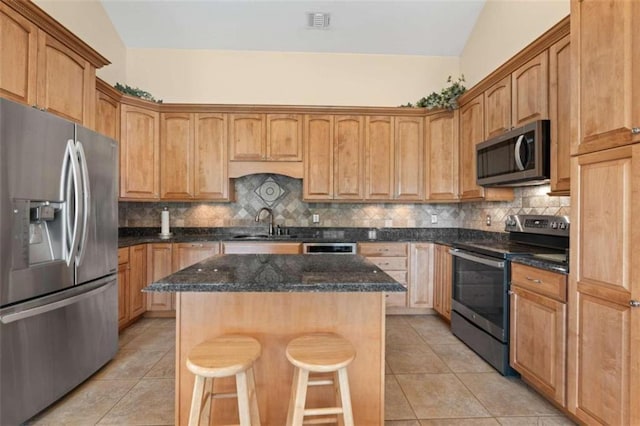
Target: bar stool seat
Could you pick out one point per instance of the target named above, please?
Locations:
(320, 353)
(225, 356)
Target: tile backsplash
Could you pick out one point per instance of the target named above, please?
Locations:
(290, 210)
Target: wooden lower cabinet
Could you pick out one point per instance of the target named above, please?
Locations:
(442, 281)
(538, 329)
(421, 257)
(159, 265)
(604, 288)
(261, 248)
(393, 259)
(186, 254)
(132, 278)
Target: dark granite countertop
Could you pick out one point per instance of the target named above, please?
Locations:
(279, 273)
(548, 265)
(132, 236)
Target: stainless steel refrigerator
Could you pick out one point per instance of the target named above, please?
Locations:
(58, 258)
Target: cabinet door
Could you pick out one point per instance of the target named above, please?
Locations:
(409, 152)
(497, 108)
(441, 159)
(211, 180)
(604, 351)
(176, 156)
(471, 134)
(159, 265)
(18, 56)
(186, 254)
(560, 115)
(247, 137)
(137, 280)
(348, 158)
(261, 248)
(107, 119)
(139, 153)
(442, 281)
(379, 158)
(606, 74)
(530, 86)
(284, 137)
(66, 82)
(421, 275)
(123, 291)
(538, 334)
(318, 153)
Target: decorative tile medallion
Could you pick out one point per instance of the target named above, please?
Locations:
(270, 191)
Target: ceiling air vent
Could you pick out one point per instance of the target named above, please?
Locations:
(318, 20)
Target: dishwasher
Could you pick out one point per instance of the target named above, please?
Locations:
(329, 248)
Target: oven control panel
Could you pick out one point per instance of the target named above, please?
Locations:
(538, 224)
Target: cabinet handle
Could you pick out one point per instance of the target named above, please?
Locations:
(535, 280)
(635, 130)
(634, 304)
(510, 292)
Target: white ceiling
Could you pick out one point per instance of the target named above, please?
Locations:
(413, 27)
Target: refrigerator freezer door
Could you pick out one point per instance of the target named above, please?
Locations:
(33, 208)
(98, 253)
(49, 349)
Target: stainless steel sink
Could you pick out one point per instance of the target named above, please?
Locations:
(263, 237)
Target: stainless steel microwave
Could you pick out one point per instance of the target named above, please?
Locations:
(519, 157)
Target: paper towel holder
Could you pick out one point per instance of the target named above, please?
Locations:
(164, 225)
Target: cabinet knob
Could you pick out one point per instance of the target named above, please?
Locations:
(634, 303)
(635, 130)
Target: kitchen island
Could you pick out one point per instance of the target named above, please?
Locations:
(276, 298)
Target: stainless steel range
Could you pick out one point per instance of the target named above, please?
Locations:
(481, 277)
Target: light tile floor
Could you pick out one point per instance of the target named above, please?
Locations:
(432, 379)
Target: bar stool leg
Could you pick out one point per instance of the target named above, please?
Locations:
(347, 411)
(196, 401)
(253, 398)
(298, 397)
(205, 412)
(243, 398)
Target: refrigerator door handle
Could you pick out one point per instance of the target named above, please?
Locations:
(86, 199)
(90, 290)
(72, 178)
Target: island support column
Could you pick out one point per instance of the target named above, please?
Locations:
(274, 319)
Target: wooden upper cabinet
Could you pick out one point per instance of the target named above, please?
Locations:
(139, 153)
(247, 137)
(176, 156)
(471, 134)
(211, 179)
(441, 159)
(606, 74)
(66, 81)
(318, 153)
(529, 91)
(409, 157)
(107, 120)
(604, 351)
(560, 115)
(379, 158)
(18, 56)
(497, 108)
(348, 157)
(284, 137)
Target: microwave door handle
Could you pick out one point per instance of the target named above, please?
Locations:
(516, 153)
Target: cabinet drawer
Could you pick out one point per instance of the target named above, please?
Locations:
(400, 276)
(390, 263)
(540, 281)
(123, 255)
(396, 299)
(382, 249)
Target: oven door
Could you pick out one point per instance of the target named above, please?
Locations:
(480, 286)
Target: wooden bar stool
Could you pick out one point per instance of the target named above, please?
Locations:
(320, 353)
(225, 356)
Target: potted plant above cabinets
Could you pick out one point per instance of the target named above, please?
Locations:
(447, 98)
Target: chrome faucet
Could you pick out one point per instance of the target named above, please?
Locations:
(271, 225)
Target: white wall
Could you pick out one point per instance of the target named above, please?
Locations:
(88, 20)
(505, 27)
(243, 77)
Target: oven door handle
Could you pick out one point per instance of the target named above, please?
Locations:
(475, 258)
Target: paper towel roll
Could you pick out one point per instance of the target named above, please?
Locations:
(165, 222)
